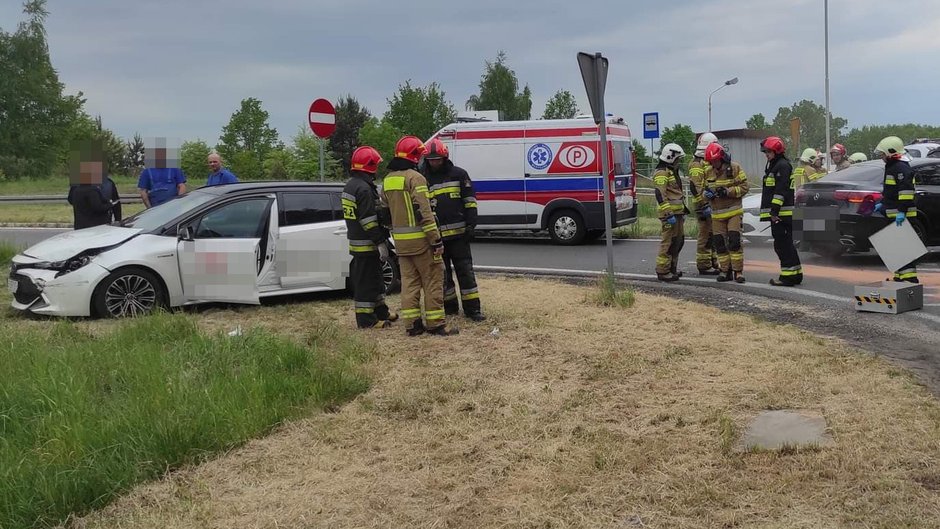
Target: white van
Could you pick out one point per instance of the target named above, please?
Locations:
(546, 175)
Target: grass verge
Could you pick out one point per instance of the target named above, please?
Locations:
(609, 294)
(7, 251)
(85, 414)
(50, 213)
(573, 415)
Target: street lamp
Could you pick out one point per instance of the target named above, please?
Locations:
(728, 82)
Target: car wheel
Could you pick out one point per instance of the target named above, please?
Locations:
(128, 292)
(567, 227)
(391, 275)
(919, 230)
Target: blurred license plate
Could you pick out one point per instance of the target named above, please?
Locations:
(13, 285)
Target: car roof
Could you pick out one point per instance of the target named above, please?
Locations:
(270, 185)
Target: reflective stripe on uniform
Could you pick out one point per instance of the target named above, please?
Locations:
(770, 181)
(361, 245)
(369, 222)
(791, 271)
(450, 294)
(892, 213)
(890, 182)
(407, 233)
(393, 183)
(905, 195)
(727, 213)
(469, 202)
(434, 315)
(470, 293)
(364, 307)
(778, 200)
(409, 314)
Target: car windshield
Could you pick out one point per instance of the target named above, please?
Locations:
(152, 218)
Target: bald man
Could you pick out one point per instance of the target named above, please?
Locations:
(219, 175)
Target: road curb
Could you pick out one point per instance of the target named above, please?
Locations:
(35, 225)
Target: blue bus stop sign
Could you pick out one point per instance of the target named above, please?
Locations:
(651, 125)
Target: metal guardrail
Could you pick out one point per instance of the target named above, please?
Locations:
(57, 199)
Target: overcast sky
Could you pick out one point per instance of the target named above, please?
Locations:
(179, 68)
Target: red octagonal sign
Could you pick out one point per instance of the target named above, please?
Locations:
(322, 118)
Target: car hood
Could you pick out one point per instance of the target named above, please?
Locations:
(65, 245)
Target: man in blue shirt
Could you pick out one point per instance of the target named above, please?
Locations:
(159, 184)
(219, 174)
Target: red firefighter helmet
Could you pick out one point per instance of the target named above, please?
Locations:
(410, 148)
(436, 149)
(773, 144)
(714, 152)
(838, 148)
(365, 159)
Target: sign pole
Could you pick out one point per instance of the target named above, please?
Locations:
(321, 159)
(605, 166)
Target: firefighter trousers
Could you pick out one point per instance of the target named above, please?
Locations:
(791, 271)
(422, 272)
(457, 258)
(727, 237)
(907, 273)
(673, 238)
(365, 276)
(705, 256)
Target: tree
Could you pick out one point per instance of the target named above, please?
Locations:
(193, 159)
(681, 135)
(757, 122)
(643, 160)
(305, 165)
(381, 135)
(277, 164)
(134, 157)
(865, 139)
(419, 111)
(499, 91)
(245, 165)
(33, 110)
(248, 131)
(350, 117)
(812, 126)
(562, 105)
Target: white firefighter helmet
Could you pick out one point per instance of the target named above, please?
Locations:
(808, 155)
(671, 153)
(703, 141)
(858, 157)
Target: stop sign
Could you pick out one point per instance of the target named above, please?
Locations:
(322, 118)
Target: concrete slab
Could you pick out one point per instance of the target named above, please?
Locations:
(776, 429)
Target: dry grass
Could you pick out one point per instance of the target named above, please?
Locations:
(574, 415)
(50, 213)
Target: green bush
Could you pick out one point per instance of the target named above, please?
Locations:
(83, 418)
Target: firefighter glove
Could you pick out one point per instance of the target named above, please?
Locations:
(900, 218)
(671, 220)
(709, 194)
(706, 212)
(722, 192)
(383, 252)
(878, 207)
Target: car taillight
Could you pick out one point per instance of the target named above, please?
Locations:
(857, 197)
(800, 196)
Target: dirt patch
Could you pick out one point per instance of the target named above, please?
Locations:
(574, 415)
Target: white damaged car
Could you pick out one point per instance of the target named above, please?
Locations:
(234, 243)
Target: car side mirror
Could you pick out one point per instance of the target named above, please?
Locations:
(184, 232)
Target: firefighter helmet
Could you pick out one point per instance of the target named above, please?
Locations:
(436, 150)
(838, 149)
(714, 152)
(808, 155)
(671, 153)
(365, 159)
(858, 157)
(772, 144)
(410, 148)
(704, 141)
(890, 147)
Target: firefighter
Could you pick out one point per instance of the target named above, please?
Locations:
(455, 206)
(838, 157)
(725, 186)
(806, 171)
(672, 212)
(706, 260)
(858, 157)
(367, 240)
(417, 240)
(897, 193)
(776, 206)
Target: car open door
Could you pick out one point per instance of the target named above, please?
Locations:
(223, 252)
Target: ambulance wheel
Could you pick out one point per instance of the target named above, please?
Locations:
(566, 227)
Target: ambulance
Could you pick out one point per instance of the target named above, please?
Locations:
(540, 175)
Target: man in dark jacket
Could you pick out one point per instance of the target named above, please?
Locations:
(455, 207)
(898, 201)
(776, 206)
(93, 195)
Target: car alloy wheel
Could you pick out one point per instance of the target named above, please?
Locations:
(130, 295)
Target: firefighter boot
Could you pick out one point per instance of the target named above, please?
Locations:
(739, 277)
(476, 316)
(667, 277)
(444, 330)
(725, 276)
(416, 329)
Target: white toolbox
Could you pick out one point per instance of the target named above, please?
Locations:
(889, 297)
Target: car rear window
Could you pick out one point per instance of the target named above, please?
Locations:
(863, 173)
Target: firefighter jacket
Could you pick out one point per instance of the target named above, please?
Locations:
(697, 169)
(669, 193)
(898, 189)
(776, 198)
(805, 173)
(452, 199)
(732, 179)
(360, 210)
(413, 227)
(844, 164)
